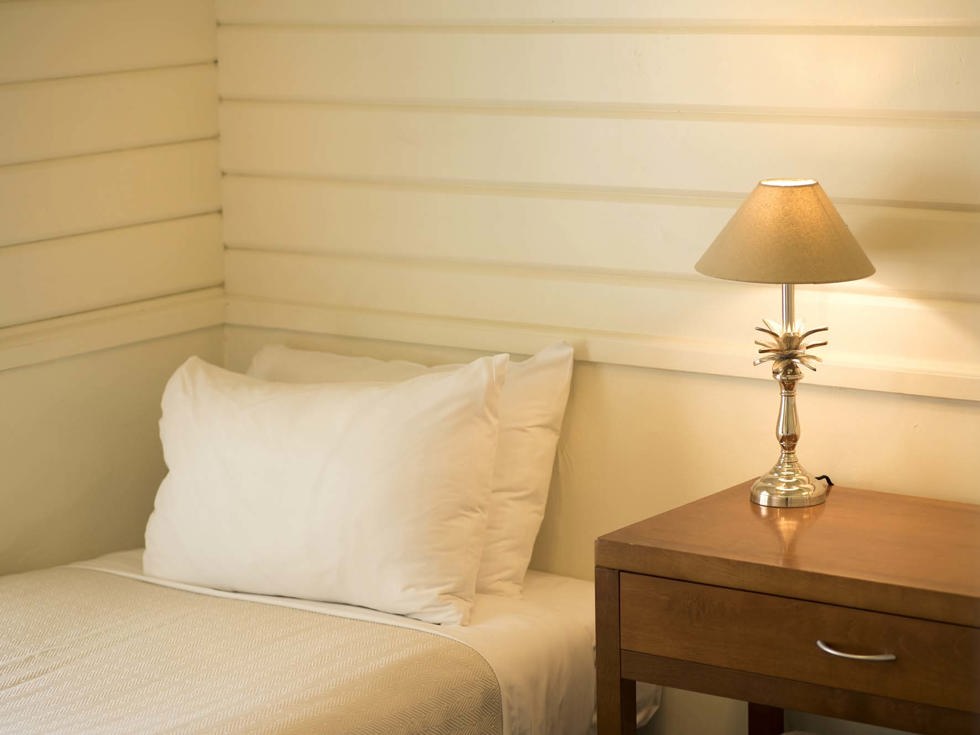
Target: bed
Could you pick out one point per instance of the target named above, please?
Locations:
(340, 546)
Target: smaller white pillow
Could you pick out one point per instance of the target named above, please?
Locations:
(532, 405)
(366, 494)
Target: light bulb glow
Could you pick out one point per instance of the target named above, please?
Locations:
(788, 182)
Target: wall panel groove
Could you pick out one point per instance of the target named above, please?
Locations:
(99, 192)
(399, 172)
(572, 12)
(625, 111)
(100, 329)
(102, 36)
(109, 73)
(663, 236)
(515, 189)
(111, 259)
(954, 380)
(130, 148)
(109, 176)
(583, 192)
(127, 110)
(606, 74)
(669, 310)
(634, 26)
(53, 278)
(667, 154)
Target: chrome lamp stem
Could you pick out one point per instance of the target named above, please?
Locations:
(788, 484)
(789, 306)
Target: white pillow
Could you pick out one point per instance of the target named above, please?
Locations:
(532, 405)
(366, 494)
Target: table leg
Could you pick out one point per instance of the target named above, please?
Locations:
(616, 696)
(765, 720)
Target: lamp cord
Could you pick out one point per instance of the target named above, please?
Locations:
(830, 483)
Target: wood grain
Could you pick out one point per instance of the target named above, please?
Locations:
(615, 696)
(776, 636)
(725, 597)
(774, 692)
(910, 556)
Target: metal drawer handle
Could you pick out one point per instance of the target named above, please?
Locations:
(855, 656)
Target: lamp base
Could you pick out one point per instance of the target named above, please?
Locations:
(788, 485)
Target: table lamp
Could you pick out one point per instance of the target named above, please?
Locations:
(786, 232)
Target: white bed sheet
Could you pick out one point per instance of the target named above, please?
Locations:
(541, 647)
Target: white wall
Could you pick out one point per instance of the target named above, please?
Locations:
(433, 179)
(80, 450)
(476, 176)
(110, 258)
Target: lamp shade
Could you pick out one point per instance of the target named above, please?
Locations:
(787, 231)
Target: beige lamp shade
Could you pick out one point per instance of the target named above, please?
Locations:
(787, 231)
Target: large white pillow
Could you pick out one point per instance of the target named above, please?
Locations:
(366, 494)
(531, 409)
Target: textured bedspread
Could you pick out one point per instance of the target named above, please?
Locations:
(86, 652)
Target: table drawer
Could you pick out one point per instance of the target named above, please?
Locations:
(935, 663)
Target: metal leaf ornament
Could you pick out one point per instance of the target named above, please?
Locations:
(788, 348)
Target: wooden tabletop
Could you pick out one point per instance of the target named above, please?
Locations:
(893, 553)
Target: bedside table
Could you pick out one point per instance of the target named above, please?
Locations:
(865, 608)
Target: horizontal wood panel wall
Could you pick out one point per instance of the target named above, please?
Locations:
(493, 175)
(110, 227)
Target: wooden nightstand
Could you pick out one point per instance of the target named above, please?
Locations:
(726, 597)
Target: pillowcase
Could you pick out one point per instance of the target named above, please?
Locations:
(532, 406)
(365, 494)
